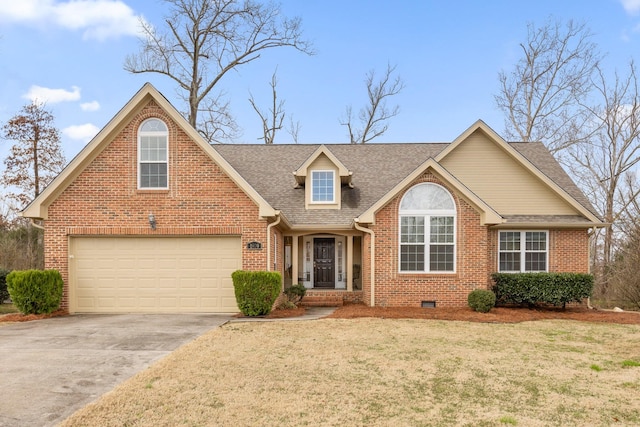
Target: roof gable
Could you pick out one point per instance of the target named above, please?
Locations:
(301, 173)
(487, 214)
(38, 208)
(506, 179)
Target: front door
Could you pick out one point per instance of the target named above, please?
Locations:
(324, 253)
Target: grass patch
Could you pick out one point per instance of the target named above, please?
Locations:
(630, 363)
(8, 309)
(381, 372)
(509, 420)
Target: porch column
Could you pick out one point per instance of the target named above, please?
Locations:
(349, 263)
(294, 259)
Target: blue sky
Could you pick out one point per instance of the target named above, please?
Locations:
(448, 54)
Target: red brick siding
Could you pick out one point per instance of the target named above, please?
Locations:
(104, 200)
(393, 288)
(476, 258)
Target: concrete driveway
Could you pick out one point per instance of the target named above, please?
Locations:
(51, 368)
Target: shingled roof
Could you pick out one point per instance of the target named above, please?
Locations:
(269, 170)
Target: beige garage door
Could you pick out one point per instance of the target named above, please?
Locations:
(153, 274)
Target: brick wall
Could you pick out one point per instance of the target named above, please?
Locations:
(104, 200)
(476, 258)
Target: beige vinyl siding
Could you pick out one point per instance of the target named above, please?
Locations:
(322, 163)
(480, 163)
(153, 274)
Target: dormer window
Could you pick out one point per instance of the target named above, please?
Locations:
(153, 155)
(322, 186)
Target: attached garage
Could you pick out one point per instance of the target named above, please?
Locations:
(153, 274)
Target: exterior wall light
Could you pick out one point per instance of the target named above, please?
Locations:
(152, 221)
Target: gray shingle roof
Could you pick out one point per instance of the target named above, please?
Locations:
(269, 170)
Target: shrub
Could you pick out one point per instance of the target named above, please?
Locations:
(545, 288)
(256, 291)
(35, 291)
(481, 300)
(295, 293)
(4, 293)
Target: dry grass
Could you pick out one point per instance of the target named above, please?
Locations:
(384, 372)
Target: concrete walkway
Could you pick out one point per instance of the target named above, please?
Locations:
(51, 368)
(312, 313)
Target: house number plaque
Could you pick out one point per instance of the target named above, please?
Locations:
(254, 245)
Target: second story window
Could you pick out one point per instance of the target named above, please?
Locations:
(322, 187)
(153, 155)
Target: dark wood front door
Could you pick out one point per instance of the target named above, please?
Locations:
(324, 253)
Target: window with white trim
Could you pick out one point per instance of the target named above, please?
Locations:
(153, 154)
(523, 251)
(427, 230)
(322, 186)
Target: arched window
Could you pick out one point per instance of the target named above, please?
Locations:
(427, 230)
(153, 155)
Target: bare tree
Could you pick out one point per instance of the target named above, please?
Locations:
(605, 164)
(273, 119)
(374, 116)
(204, 40)
(293, 129)
(541, 96)
(36, 157)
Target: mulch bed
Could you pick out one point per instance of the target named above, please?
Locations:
(496, 315)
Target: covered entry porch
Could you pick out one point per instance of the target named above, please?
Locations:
(324, 261)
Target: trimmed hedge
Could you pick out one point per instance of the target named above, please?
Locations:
(545, 288)
(481, 300)
(35, 291)
(295, 293)
(4, 293)
(256, 291)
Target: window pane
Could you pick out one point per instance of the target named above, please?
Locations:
(412, 229)
(322, 186)
(412, 258)
(153, 148)
(510, 261)
(509, 240)
(153, 125)
(536, 241)
(441, 257)
(535, 261)
(441, 229)
(153, 175)
(427, 197)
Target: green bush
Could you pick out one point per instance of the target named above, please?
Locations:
(35, 291)
(4, 293)
(481, 300)
(541, 288)
(256, 291)
(295, 293)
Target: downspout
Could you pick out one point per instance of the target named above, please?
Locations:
(372, 258)
(269, 227)
(38, 226)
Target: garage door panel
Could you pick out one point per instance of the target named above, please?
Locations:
(149, 274)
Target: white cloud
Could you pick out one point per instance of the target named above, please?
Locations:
(52, 96)
(632, 7)
(90, 106)
(98, 19)
(81, 132)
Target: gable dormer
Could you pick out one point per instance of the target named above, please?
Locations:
(322, 175)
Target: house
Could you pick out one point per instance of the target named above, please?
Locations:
(151, 218)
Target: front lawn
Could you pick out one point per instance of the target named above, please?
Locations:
(370, 372)
(7, 308)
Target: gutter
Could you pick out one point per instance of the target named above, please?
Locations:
(372, 259)
(38, 226)
(269, 227)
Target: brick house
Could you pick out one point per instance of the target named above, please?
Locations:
(151, 218)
